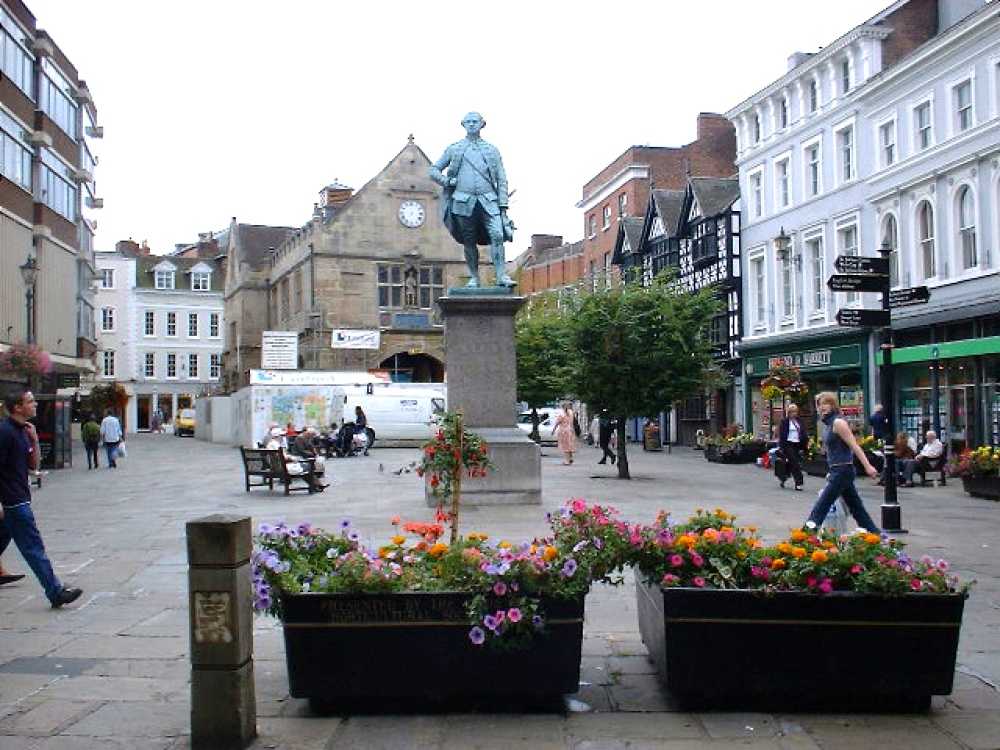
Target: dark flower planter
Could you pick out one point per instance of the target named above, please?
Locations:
(790, 651)
(387, 653)
(815, 467)
(987, 487)
(746, 453)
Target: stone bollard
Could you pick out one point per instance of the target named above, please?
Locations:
(223, 701)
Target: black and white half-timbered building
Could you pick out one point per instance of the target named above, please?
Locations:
(695, 232)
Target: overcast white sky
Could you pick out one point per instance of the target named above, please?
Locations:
(217, 108)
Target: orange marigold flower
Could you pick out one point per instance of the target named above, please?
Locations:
(799, 535)
(550, 553)
(872, 538)
(394, 520)
(785, 548)
(778, 563)
(686, 540)
(798, 552)
(819, 556)
(397, 540)
(438, 549)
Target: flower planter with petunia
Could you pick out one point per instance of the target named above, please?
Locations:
(416, 623)
(815, 623)
(979, 470)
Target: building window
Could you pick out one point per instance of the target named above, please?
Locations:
(409, 286)
(891, 236)
(171, 365)
(172, 324)
(107, 276)
(817, 272)
(782, 113)
(592, 226)
(54, 98)
(192, 325)
(847, 244)
(201, 281)
(922, 127)
(17, 62)
(962, 94)
(782, 182)
(606, 217)
(845, 153)
(108, 363)
(755, 133)
(55, 189)
(812, 96)
(887, 142)
(925, 237)
(787, 290)
(967, 227)
(845, 76)
(192, 366)
(149, 325)
(814, 169)
(757, 193)
(214, 325)
(623, 204)
(215, 366)
(149, 366)
(15, 153)
(107, 318)
(164, 279)
(759, 293)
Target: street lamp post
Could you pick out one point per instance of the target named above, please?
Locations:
(29, 272)
(891, 511)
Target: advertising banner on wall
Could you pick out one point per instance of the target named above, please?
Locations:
(344, 338)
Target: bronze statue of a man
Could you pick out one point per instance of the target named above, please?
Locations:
(474, 201)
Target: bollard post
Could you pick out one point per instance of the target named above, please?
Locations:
(223, 700)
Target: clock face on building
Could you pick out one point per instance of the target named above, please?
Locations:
(411, 213)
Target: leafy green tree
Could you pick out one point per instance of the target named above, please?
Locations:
(640, 349)
(545, 358)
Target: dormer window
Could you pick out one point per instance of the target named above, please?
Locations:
(164, 279)
(201, 281)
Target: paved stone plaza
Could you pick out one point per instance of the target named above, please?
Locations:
(112, 671)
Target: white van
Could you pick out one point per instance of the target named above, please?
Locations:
(398, 416)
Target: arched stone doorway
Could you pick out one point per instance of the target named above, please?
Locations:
(404, 367)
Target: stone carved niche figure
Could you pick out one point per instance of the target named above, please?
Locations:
(474, 199)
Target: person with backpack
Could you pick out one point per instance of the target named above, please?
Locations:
(91, 434)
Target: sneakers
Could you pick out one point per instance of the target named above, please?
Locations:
(66, 596)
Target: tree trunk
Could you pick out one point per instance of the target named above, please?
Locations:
(620, 449)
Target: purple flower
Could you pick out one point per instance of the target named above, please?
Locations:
(491, 622)
(477, 635)
(569, 568)
(499, 588)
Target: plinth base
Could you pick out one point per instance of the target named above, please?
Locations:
(517, 478)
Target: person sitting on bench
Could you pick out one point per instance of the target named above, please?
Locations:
(932, 450)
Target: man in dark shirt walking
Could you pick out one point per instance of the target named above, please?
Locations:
(19, 454)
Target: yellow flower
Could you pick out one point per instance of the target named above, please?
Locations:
(798, 535)
(798, 552)
(550, 554)
(398, 540)
(819, 556)
(438, 549)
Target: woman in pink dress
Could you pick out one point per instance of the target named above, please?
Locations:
(565, 432)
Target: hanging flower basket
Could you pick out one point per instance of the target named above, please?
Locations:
(25, 362)
(784, 381)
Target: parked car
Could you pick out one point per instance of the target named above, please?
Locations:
(184, 422)
(546, 421)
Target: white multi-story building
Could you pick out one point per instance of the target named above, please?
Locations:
(159, 328)
(888, 135)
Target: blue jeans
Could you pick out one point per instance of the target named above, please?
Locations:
(840, 483)
(112, 449)
(18, 524)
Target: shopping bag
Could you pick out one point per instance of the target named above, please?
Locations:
(120, 452)
(837, 518)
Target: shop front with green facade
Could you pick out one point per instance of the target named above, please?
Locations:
(952, 388)
(838, 364)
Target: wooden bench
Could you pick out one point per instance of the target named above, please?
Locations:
(927, 466)
(266, 466)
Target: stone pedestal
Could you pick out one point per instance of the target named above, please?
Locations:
(223, 701)
(479, 358)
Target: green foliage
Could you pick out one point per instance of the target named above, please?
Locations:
(545, 358)
(642, 348)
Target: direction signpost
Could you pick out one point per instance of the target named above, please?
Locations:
(853, 317)
(862, 264)
(914, 295)
(853, 282)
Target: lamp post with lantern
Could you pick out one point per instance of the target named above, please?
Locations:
(29, 272)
